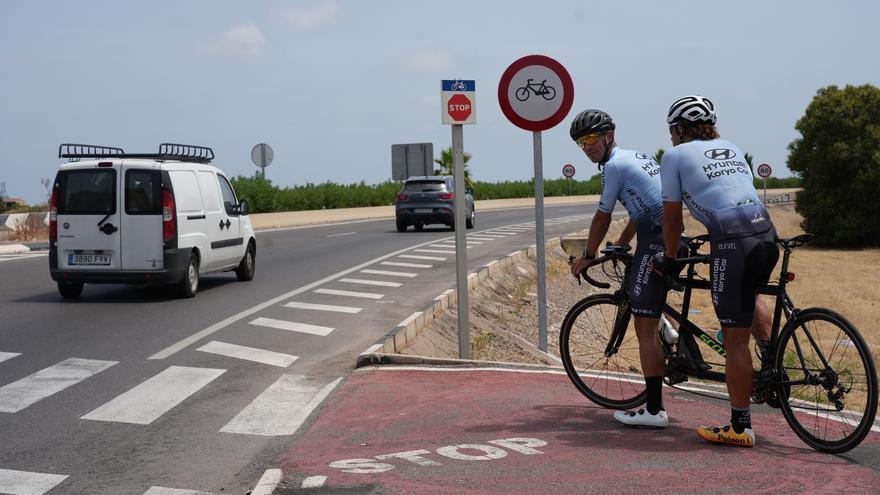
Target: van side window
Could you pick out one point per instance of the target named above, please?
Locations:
(87, 192)
(208, 187)
(143, 194)
(229, 200)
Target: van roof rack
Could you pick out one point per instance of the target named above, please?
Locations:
(167, 151)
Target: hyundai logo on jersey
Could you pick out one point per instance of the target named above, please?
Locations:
(641, 156)
(720, 154)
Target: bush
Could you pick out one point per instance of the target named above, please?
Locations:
(838, 157)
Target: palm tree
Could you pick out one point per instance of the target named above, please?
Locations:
(749, 158)
(447, 167)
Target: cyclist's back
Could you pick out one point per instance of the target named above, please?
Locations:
(633, 178)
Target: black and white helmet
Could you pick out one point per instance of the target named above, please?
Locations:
(588, 121)
(692, 108)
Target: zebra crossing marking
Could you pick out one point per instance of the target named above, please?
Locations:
(49, 381)
(323, 307)
(390, 274)
(378, 283)
(28, 483)
(405, 265)
(292, 326)
(254, 354)
(348, 293)
(8, 355)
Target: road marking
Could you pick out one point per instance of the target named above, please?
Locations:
(314, 482)
(268, 482)
(323, 307)
(370, 282)
(156, 396)
(481, 238)
(28, 483)
(339, 235)
(348, 293)
(281, 409)
(161, 490)
(14, 257)
(505, 232)
(248, 353)
(492, 235)
(442, 246)
(435, 251)
(8, 355)
(405, 265)
(292, 326)
(417, 257)
(390, 274)
(22, 393)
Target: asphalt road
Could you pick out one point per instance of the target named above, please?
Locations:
(129, 390)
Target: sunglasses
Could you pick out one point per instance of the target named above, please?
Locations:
(589, 139)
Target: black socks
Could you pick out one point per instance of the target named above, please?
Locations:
(740, 419)
(654, 387)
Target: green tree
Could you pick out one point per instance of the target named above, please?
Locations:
(447, 167)
(658, 156)
(749, 159)
(838, 158)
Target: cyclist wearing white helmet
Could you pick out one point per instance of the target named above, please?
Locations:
(710, 175)
(632, 178)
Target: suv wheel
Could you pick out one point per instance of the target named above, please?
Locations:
(470, 222)
(248, 266)
(188, 287)
(401, 225)
(70, 290)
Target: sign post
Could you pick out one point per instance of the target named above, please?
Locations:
(568, 172)
(457, 103)
(535, 94)
(764, 171)
(262, 156)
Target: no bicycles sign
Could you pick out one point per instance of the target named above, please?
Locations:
(535, 93)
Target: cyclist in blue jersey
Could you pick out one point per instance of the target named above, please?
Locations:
(632, 178)
(710, 175)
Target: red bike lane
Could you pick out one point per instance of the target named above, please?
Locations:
(452, 430)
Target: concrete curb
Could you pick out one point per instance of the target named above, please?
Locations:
(14, 249)
(387, 349)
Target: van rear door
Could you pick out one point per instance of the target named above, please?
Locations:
(89, 236)
(142, 218)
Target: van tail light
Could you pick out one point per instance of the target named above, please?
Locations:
(402, 197)
(169, 218)
(446, 196)
(53, 216)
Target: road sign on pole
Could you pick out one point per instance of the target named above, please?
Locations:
(536, 93)
(458, 101)
(568, 172)
(764, 170)
(262, 156)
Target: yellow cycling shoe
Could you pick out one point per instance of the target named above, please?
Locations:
(725, 434)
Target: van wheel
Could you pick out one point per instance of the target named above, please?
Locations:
(188, 287)
(70, 290)
(401, 225)
(248, 266)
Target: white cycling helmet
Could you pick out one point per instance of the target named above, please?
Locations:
(693, 108)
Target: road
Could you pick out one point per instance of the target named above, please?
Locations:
(129, 390)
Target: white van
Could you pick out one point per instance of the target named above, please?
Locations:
(145, 219)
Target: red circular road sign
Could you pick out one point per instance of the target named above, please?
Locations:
(535, 93)
(764, 170)
(459, 107)
(568, 170)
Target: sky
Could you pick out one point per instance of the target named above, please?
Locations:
(332, 84)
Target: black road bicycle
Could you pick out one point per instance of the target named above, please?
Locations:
(817, 369)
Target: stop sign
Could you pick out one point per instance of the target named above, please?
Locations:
(459, 107)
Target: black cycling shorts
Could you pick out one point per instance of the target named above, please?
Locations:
(738, 267)
(647, 292)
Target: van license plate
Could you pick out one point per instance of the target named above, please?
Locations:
(88, 259)
(424, 210)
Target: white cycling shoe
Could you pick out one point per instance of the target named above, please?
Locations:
(643, 418)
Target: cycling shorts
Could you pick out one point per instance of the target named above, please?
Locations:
(647, 292)
(738, 267)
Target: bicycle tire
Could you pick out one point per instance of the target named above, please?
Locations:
(524, 91)
(808, 408)
(550, 91)
(583, 337)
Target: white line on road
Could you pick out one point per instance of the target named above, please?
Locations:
(481, 238)
(8, 355)
(22, 393)
(161, 490)
(314, 482)
(348, 293)
(248, 353)
(390, 274)
(405, 265)
(339, 235)
(28, 483)
(292, 326)
(447, 246)
(281, 409)
(323, 307)
(426, 258)
(378, 283)
(435, 251)
(14, 257)
(268, 482)
(156, 396)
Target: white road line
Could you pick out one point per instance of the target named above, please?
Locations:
(323, 307)
(435, 251)
(292, 326)
(390, 274)
(28, 483)
(8, 355)
(22, 393)
(281, 409)
(442, 246)
(156, 396)
(481, 238)
(348, 293)
(248, 353)
(492, 235)
(417, 257)
(405, 265)
(506, 233)
(15, 257)
(268, 482)
(339, 235)
(161, 490)
(379, 283)
(314, 482)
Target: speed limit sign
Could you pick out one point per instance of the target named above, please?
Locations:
(764, 170)
(568, 170)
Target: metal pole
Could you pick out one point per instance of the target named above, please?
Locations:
(461, 282)
(765, 190)
(539, 246)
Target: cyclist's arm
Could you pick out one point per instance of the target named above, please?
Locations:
(672, 226)
(598, 229)
(627, 235)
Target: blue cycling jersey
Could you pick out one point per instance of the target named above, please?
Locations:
(715, 182)
(633, 178)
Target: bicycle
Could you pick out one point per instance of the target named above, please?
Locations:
(817, 369)
(542, 89)
(458, 86)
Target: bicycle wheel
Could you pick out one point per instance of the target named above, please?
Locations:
(522, 94)
(615, 381)
(549, 93)
(830, 398)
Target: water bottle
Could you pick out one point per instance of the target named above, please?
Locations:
(670, 336)
(719, 336)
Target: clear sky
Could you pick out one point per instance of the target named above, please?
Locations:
(332, 84)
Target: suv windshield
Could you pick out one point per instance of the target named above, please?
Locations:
(87, 192)
(425, 186)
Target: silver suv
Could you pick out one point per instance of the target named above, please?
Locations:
(428, 200)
